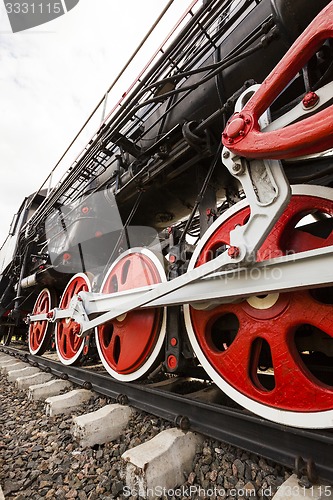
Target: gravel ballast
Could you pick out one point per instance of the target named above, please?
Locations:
(40, 459)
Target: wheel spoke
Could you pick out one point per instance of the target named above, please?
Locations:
(301, 241)
(62, 338)
(306, 391)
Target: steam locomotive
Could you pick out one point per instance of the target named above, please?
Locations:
(194, 233)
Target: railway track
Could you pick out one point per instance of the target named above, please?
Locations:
(178, 400)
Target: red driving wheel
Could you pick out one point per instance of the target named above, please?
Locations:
(68, 344)
(40, 332)
(130, 344)
(262, 351)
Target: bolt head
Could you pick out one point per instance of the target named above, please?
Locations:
(237, 168)
(172, 362)
(173, 341)
(235, 126)
(233, 252)
(50, 314)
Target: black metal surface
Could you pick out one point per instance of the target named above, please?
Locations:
(282, 444)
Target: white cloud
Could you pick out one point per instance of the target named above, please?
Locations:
(52, 77)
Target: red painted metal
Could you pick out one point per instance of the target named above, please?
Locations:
(68, 343)
(127, 342)
(40, 331)
(314, 134)
(232, 336)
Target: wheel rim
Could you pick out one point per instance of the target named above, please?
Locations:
(69, 346)
(275, 330)
(40, 332)
(129, 345)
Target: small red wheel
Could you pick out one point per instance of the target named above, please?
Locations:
(272, 353)
(130, 344)
(40, 332)
(69, 346)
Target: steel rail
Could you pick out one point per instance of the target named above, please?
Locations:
(287, 446)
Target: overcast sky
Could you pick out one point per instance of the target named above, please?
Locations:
(51, 78)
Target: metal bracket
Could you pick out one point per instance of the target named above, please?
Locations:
(265, 185)
(268, 193)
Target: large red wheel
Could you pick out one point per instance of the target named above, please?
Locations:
(69, 346)
(40, 332)
(273, 353)
(130, 344)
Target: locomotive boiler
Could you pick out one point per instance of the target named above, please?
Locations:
(194, 234)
